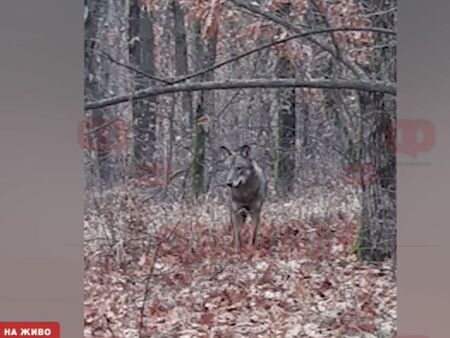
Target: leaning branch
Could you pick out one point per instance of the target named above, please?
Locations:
(277, 42)
(371, 86)
(304, 34)
(355, 69)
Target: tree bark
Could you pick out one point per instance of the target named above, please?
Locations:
(181, 57)
(198, 144)
(377, 233)
(92, 88)
(141, 51)
(287, 125)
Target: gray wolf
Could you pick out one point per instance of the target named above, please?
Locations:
(248, 186)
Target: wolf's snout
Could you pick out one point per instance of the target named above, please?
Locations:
(229, 180)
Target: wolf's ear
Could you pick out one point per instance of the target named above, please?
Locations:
(227, 151)
(245, 150)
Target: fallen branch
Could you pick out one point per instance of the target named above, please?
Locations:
(371, 86)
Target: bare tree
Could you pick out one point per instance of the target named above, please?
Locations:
(378, 225)
(141, 49)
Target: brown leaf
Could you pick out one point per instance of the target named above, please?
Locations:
(207, 319)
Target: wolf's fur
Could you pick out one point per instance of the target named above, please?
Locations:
(248, 187)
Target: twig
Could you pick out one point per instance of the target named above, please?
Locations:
(149, 277)
(132, 68)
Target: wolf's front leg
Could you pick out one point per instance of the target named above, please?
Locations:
(256, 220)
(236, 220)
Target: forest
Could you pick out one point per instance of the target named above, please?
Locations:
(310, 87)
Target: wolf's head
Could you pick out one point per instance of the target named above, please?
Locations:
(240, 167)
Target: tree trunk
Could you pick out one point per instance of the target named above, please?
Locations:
(205, 108)
(377, 234)
(198, 144)
(141, 51)
(95, 119)
(181, 57)
(285, 149)
(198, 150)
(285, 152)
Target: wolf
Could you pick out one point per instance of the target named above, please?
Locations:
(248, 186)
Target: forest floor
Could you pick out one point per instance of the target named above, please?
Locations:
(303, 280)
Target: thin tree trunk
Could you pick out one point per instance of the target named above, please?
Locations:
(198, 150)
(181, 57)
(198, 144)
(205, 108)
(285, 152)
(95, 119)
(377, 235)
(141, 51)
(149, 107)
